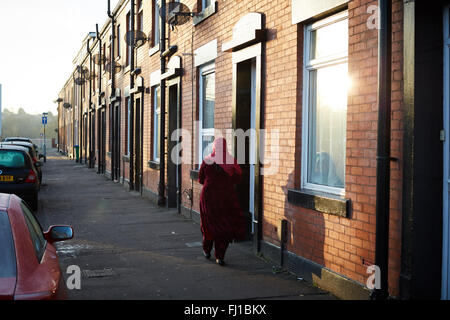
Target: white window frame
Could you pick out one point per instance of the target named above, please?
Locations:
(310, 65)
(119, 47)
(156, 24)
(204, 70)
(127, 47)
(156, 135)
(204, 6)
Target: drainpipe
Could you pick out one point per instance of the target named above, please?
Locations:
(113, 37)
(132, 133)
(90, 101)
(162, 160)
(80, 120)
(383, 148)
(141, 137)
(73, 118)
(113, 86)
(64, 133)
(99, 87)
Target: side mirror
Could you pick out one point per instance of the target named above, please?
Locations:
(58, 233)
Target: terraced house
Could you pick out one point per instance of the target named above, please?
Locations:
(339, 108)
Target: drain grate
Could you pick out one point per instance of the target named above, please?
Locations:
(108, 272)
(193, 244)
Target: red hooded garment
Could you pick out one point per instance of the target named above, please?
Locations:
(220, 214)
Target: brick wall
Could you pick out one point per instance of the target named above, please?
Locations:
(338, 243)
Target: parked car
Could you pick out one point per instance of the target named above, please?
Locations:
(24, 139)
(29, 266)
(31, 151)
(17, 139)
(18, 174)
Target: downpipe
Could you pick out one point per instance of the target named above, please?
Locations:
(113, 85)
(383, 148)
(162, 160)
(97, 118)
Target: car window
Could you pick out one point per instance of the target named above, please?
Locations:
(12, 159)
(35, 229)
(30, 151)
(7, 251)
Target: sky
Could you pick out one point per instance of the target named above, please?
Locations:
(38, 41)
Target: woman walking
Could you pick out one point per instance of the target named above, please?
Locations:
(221, 218)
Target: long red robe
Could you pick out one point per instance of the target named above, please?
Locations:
(220, 214)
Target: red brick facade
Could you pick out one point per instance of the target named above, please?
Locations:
(344, 245)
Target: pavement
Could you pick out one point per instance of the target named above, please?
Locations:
(127, 248)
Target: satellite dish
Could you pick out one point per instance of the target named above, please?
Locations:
(82, 75)
(115, 65)
(136, 38)
(66, 105)
(83, 71)
(99, 59)
(177, 13)
(79, 81)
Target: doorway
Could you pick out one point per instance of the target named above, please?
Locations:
(173, 167)
(116, 143)
(137, 146)
(245, 148)
(92, 140)
(85, 138)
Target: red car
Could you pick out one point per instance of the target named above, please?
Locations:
(29, 267)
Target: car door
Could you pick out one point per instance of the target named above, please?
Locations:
(7, 259)
(40, 280)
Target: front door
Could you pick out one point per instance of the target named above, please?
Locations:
(92, 141)
(445, 288)
(102, 141)
(116, 142)
(85, 138)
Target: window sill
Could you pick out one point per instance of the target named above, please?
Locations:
(153, 164)
(153, 50)
(194, 174)
(205, 13)
(323, 202)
